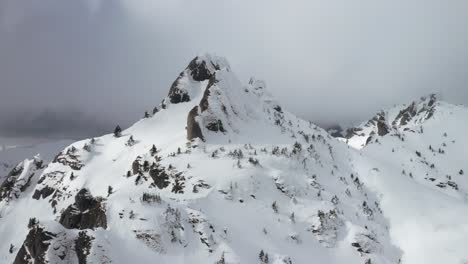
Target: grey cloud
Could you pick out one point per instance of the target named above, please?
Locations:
(53, 124)
(327, 61)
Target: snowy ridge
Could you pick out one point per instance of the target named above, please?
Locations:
(395, 120)
(220, 173)
(421, 178)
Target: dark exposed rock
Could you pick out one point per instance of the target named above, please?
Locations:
(177, 95)
(43, 193)
(278, 109)
(193, 127)
(34, 247)
(86, 213)
(69, 159)
(84, 200)
(16, 171)
(204, 104)
(405, 115)
(200, 71)
(200, 185)
(136, 166)
(6, 187)
(83, 246)
(14, 183)
(432, 100)
(216, 126)
(10, 180)
(382, 128)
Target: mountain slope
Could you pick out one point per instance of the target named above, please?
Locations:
(419, 170)
(231, 177)
(221, 173)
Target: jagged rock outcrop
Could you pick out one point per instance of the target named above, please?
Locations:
(193, 127)
(176, 93)
(35, 246)
(393, 122)
(425, 109)
(43, 193)
(19, 179)
(9, 182)
(200, 69)
(86, 213)
(69, 158)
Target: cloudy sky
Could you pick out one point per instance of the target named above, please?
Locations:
(75, 68)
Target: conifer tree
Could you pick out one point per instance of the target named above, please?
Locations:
(117, 131)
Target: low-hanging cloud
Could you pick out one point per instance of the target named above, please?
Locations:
(327, 61)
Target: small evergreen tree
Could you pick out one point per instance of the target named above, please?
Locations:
(117, 131)
(146, 114)
(261, 255)
(274, 206)
(109, 190)
(153, 150)
(131, 141)
(264, 259)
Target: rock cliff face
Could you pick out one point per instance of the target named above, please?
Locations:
(86, 213)
(193, 127)
(200, 69)
(35, 246)
(19, 179)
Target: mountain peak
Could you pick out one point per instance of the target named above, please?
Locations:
(201, 68)
(418, 111)
(397, 119)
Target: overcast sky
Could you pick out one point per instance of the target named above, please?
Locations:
(75, 68)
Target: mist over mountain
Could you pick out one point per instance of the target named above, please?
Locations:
(330, 62)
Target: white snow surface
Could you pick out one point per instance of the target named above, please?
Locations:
(271, 183)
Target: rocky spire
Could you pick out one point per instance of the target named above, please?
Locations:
(201, 68)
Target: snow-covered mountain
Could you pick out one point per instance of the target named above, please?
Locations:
(415, 159)
(221, 173)
(393, 121)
